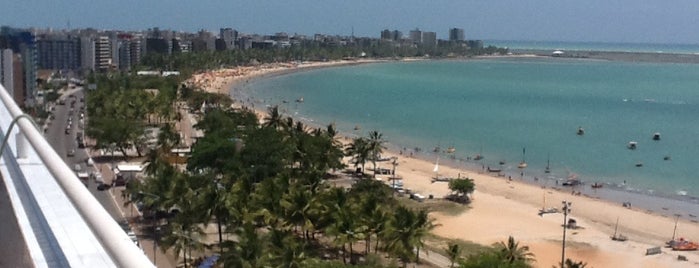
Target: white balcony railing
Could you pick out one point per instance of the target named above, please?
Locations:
(63, 225)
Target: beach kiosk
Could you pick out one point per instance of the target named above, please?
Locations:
(127, 171)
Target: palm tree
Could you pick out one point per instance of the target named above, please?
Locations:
(511, 252)
(453, 252)
(573, 264)
(359, 150)
(274, 119)
(423, 225)
(181, 238)
(297, 204)
(247, 250)
(285, 249)
(346, 229)
(376, 147)
(212, 200)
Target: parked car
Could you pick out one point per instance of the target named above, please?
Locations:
(103, 186)
(71, 153)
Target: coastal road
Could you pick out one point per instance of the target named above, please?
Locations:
(63, 143)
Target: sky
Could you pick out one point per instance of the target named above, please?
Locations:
(613, 21)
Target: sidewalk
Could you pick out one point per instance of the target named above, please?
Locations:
(130, 214)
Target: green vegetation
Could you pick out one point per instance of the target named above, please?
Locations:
(187, 63)
(263, 186)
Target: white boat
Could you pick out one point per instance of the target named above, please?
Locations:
(656, 136)
(581, 131)
(632, 145)
(451, 150)
(522, 164)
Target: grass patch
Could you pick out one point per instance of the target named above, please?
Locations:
(438, 244)
(435, 205)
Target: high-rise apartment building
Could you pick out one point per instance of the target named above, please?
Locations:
(429, 39)
(228, 36)
(87, 53)
(456, 34)
(416, 36)
(103, 53)
(58, 52)
(6, 71)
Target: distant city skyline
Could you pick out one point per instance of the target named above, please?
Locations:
(613, 21)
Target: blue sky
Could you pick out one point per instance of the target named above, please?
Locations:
(638, 21)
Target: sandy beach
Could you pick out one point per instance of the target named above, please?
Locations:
(501, 207)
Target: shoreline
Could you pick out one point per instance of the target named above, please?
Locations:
(613, 192)
(510, 207)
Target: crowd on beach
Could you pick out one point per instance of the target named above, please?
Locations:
(509, 207)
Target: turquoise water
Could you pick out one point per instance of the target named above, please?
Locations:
(497, 107)
(597, 46)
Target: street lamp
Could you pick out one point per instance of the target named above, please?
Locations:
(393, 173)
(566, 209)
(155, 244)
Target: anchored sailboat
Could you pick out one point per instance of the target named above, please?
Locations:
(479, 156)
(523, 164)
(545, 210)
(436, 169)
(618, 237)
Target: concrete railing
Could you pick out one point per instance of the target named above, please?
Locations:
(113, 239)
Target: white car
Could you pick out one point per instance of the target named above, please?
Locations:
(98, 178)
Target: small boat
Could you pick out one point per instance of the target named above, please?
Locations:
(571, 182)
(479, 156)
(436, 149)
(356, 127)
(451, 150)
(522, 164)
(299, 99)
(656, 136)
(548, 162)
(639, 164)
(632, 145)
(581, 131)
(684, 245)
(502, 162)
(618, 237)
(495, 170)
(666, 158)
(596, 185)
(544, 209)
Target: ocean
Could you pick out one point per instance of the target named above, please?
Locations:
(596, 46)
(514, 109)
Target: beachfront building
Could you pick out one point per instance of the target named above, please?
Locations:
(228, 37)
(58, 52)
(456, 34)
(416, 36)
(429, 39)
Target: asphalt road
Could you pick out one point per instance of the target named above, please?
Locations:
(63, 142)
